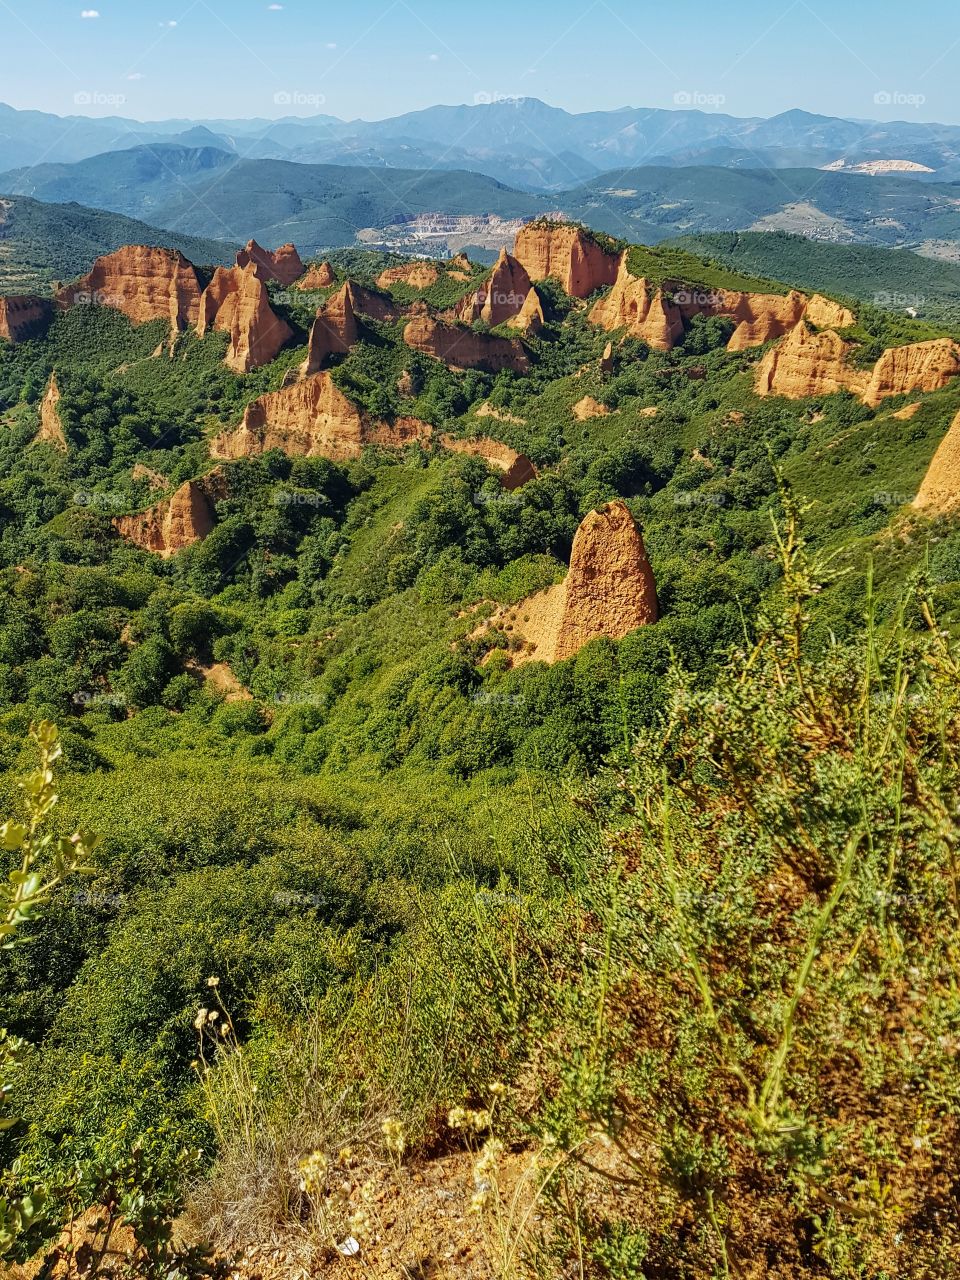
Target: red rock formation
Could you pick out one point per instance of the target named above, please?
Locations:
(827, 314)
(761, 317)
(633, 305)
(566, 252)
(144, 283)
(609, 591)
(516, 468)
(588, 408)
(530, 318)
(462, 348)
(939, 494)
(921, 366)
(314, 419)
(22, 316)
(236, 302)
(606, 360)
(806, 364)
(317, 277)
(180, 521)
(418, 275)
(51, 428)
(334, 331)
(501, 297)
(282, 265)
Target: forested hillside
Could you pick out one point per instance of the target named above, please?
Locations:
(627, 940)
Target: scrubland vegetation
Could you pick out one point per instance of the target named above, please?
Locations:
(658, 943)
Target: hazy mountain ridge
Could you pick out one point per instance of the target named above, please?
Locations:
(518, 140)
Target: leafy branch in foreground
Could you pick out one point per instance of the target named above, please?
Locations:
(42, 862)
(760, 1070)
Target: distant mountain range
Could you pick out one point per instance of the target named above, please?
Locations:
(211, 193)
(521, 142)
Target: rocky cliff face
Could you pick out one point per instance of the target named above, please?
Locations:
(23, 316)
(236, 302)
(318, 277)
(311, 418)
(658, 315)
(417, 275)
(564, 251)
(632, 304)
(760, 317)
(939, 494)
(51, 428)
(180, 521)
(335, 330)
(282, 265)
(609, 591)
(808, 364)
(530, 318)
(501, 297)
(921, 366)
(816, 364)
(144, 283)
(515, 469)
(461, 348)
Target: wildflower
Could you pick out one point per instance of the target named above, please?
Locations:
(497, 1089)
(213, 982)
(486, 1164)
(394, 1138)
(200, 1020)
(480, 1120)
(458, 1118)
(479, 1199)
(313, 1172)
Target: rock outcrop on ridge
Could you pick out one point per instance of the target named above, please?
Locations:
(501, 297)
(461, 347)
(144, 283)
(919, 366)
(417, 275)
(939, 493)
(282, 265)
(609, 591)
(179, 521)
(236, 302)
(568, 253)
(515, 469)
(807, 364)
(51, 428)
(23, 316)
(312, 418)
(320, 276)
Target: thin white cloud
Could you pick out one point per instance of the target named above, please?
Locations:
(434, 57)
(274, 8)
(135, 75)
(89, 13)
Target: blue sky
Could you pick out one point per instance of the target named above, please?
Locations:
(153, 59)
